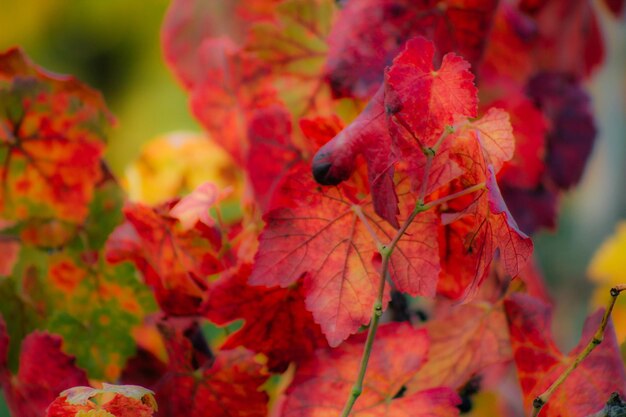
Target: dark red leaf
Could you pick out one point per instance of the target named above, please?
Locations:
(228, 386)
(367, 35)
(276, 321)
(572, 133)
(44, 371)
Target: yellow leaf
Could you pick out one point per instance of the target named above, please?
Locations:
(607, 269)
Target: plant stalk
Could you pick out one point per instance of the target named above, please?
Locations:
(377, 311)
(597, 338)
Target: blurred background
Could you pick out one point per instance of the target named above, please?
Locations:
(114, 46)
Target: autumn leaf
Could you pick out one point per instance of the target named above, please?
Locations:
(525, 168)
(126, 401)
(196, 206)
(463, 343)
(193, 388)
(470, 236)
(37, 382)
(174, 164)
(573, 131)
(322, 384)
(276, 321)
(323, 239)
(414, 88)
(272, 152)
(367, 35)
(51, 142)
(539, 361)
(292, 46)
(175, 263)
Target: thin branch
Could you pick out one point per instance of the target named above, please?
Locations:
(377, 311)
(597, 338)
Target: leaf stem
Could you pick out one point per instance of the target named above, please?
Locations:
(597, 338)
(430, 155)
(377, 311)
(370, 230)
(466, 191)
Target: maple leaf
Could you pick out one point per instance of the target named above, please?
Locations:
(414, 88)
(174, 263)
(51, 142)
(539, 361)
(276, 321)
(463, 342)
(322, 384)
(37, 382)
(322, 238)
(228, 386)
(381, 28)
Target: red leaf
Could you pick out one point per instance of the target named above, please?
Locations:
(227, 387)
(539, 361)
(415, 88)
(526, 167)
(272, 152)
(321, 385)
(463, 343)
(38, 382)
(276, 322)
(367, 35)
(515, 246)
(470, 237)
(173, 262)
(51, 142)
(234, 84)
(322, 238)
(572, 133)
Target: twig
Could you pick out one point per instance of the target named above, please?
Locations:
(597, 338)
(377, 311)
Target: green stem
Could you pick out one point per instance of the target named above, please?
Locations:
(597, 338)
(377, 311)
